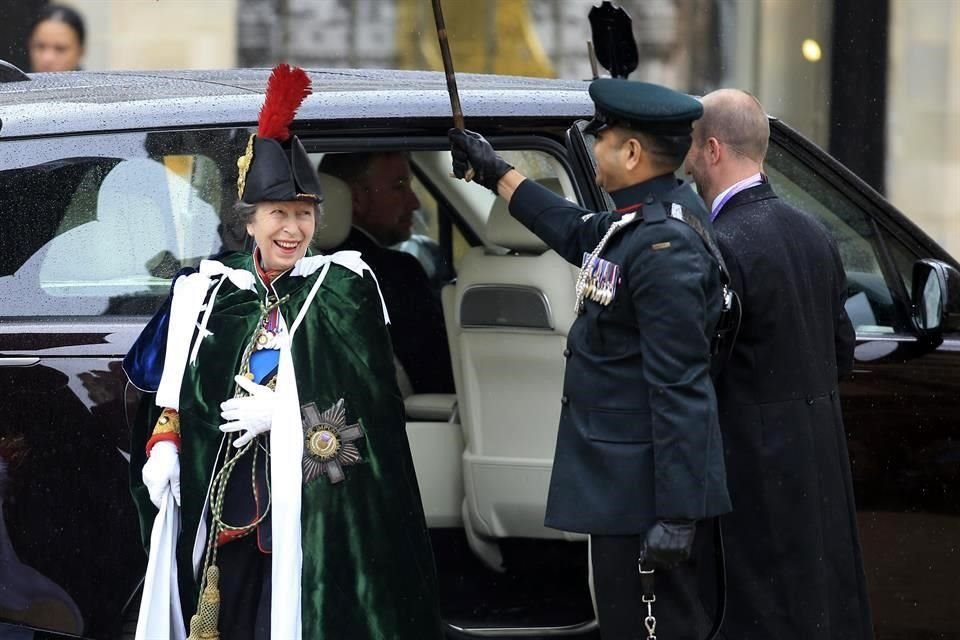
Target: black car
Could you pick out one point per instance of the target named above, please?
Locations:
(111, 182)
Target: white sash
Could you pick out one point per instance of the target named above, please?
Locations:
(286, 484)
(188, 294)
(160, 614)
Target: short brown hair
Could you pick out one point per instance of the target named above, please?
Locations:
(737, 119)
(352, 167)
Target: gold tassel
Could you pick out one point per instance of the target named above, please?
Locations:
(203, 624)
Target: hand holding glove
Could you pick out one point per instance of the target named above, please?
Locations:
(162, 470)
(669, 543)
(470, 149)
(251, 414)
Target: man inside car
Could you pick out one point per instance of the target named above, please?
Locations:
(383, 205)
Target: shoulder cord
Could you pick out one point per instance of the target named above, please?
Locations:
(231, 456)
(677, 212)
(730, 312)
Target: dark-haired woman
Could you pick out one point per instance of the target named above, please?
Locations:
(56, 41)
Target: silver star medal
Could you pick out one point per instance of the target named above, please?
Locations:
(329, 443)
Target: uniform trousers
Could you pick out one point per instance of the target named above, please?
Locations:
(685, 595)
(245, 589)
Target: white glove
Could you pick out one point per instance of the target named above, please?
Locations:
(162, 470)
(252, 414)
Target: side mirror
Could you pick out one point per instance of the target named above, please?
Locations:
(936, 299)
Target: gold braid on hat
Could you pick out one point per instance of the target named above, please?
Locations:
(243, 165)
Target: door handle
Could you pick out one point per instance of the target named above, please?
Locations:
(18, 362)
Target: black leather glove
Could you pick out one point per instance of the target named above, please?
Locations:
(669, 543)
(470, 149)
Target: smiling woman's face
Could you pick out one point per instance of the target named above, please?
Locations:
(282, 231)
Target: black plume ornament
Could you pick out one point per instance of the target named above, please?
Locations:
(613, 41)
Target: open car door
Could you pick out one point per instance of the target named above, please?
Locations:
(578, 146)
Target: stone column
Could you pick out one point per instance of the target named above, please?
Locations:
(923, 123)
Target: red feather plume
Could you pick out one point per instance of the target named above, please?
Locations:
(286, 90)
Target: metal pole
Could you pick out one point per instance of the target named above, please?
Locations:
(451, 75)
(283, 18)
(490, 52)
(352, 33)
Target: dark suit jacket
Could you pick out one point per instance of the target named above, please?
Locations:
(638, 437)
(416, 317)
(793, 556)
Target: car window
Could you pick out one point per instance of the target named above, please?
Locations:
(473, 204)
(870, 303)
(429, 242)
(903, 259)
(452, 213)
(96, 226)
(468, 207)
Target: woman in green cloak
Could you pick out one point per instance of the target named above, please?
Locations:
(271, 470)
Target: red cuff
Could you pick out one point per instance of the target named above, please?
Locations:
(163, 437)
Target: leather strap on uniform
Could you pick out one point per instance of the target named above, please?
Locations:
(679, 213)
(729, 323)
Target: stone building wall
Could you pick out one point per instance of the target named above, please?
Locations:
(363, 33)
(923, 121)
(152, 34)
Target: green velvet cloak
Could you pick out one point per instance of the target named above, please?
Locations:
(368, 569)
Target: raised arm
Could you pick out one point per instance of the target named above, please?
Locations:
(565, 227)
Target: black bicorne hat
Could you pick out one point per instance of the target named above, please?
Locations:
(275, 166)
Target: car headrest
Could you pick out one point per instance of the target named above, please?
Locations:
(334, 225)
(503, 230)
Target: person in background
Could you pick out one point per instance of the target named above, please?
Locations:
(794, 567)
(383, 215)
(57, 39)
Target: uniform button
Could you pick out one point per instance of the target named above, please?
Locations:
(566, 353)
(648, 200)
(809, 400)
(564, 400)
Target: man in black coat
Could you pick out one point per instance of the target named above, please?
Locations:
(383, 208)
(639, 460)
(794, 568)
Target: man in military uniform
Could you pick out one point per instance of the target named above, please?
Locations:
(639, 460)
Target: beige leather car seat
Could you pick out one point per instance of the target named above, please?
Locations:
(513, 311)
(334, 225)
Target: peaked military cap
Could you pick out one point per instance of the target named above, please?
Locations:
(650, 108)
(275, 166)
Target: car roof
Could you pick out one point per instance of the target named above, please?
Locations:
(85, 101)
